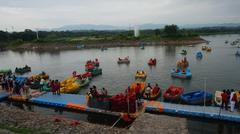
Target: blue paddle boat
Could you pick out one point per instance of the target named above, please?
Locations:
(178, 73)
(199, 55)
(197, 98)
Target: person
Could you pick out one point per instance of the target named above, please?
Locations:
(155, 89)
(238, 100)
(10, 83)
(4, 83)
(128, 90)
(91, 91)
(138, 91)
(95, 92)
(17, 88)
(52, 85)
(233, 100)
(57, 86)
(74, 73)
(148, 90)
(41, 84)
(228, 93)
(26, 89)
(104, 92)
(224, 100)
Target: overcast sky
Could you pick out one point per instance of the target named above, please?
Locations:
(22, 14)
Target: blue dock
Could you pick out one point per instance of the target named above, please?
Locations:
(79, 103)
(209, 112)
(69, 101)
(3, 95)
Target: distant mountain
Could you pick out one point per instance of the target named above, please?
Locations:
(142, 27)
(87, 27)
(210, 25)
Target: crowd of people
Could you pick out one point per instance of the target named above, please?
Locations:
(13, 86)
(96, 93)
(230, 97)
(54, 85)
(149, 90)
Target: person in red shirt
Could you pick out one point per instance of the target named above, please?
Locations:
(224, 100)
(155, 89)
(138, 91)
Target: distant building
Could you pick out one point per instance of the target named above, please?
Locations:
(136, 31)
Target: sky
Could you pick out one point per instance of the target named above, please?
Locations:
(40, 14)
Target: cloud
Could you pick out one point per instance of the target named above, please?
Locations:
(54, 13)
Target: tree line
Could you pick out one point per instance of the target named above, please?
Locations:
(169, 31)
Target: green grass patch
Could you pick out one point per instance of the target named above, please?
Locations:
(22, 130)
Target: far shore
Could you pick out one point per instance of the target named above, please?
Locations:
(107, 44)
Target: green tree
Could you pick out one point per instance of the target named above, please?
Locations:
(171, 30)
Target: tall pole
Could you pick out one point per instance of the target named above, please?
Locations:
(205, 90)
(37, 35)
(128, 100)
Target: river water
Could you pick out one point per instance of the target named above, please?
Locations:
(220, 68)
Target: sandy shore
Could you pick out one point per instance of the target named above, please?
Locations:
(107, 44)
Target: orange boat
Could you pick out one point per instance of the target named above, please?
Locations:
(152, 62)
(134, 85)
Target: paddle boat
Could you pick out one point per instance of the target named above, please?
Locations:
(178, 73)
(184, 52)
(96, 71)
(173, 94)
(152, 62)
(90, 64)
(134, 85)
(88, 75)
(23, 70)
(218, 98)
(204, 48)
(123, 104)
(38, 77)
(141, 75)
(199, 55)
(209, 49)
(123, 61)
(197, 98)
(85, 75)
(5, 71)
(104, 48)
(72, 85)
(154, 94)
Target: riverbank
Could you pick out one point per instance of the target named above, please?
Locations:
(105, 44)
(19, 121)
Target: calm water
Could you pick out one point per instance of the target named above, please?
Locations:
(220, 68)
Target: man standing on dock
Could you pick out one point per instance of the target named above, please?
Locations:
(224, 100)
